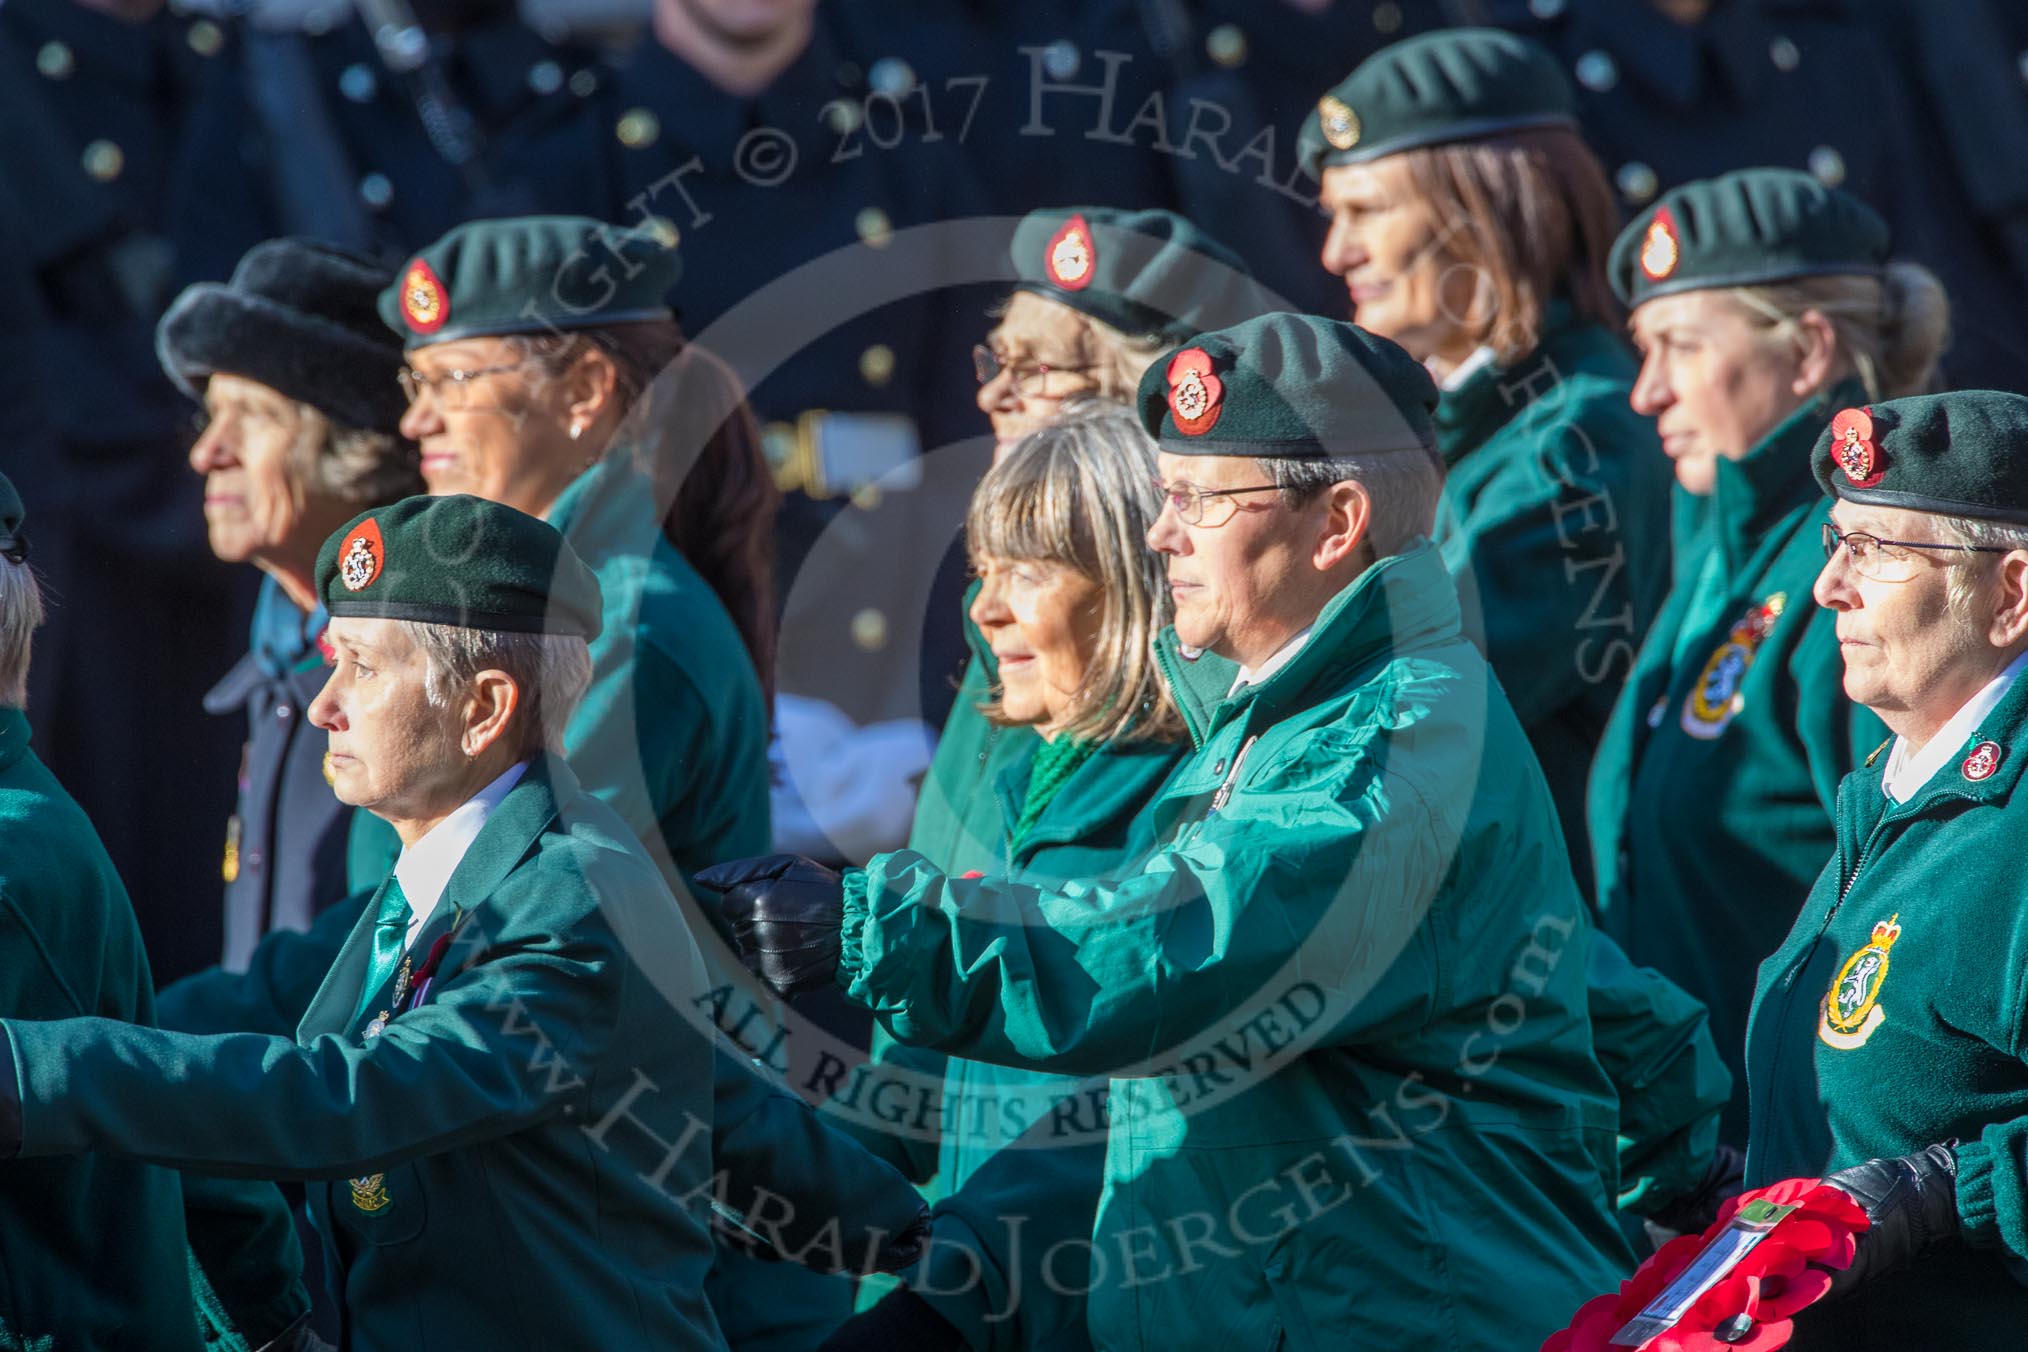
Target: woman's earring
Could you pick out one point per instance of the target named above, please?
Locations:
(576, 431)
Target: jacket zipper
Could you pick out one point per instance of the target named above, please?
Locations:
(1224, 794)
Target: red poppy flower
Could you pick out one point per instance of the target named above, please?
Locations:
(1195, 394)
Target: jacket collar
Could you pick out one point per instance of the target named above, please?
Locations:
(1494, 395)
(1774, 478)
(1402, 604)
(510, 832)
(2006, 726)
(1678, 64)
(13, 738)
(711, 122)
(1113, 784)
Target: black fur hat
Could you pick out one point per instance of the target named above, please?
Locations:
(300, 318)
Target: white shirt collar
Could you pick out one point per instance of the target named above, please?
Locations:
(1283, 656)
(1907, 771)
(425, 868)
(1481, 357)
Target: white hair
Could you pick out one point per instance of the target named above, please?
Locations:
(1404, 487)
(20, 613)
(551, 671)
(1964, 583)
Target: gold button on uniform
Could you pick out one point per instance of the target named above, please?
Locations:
(891, 76)
(869, 630)
(103, 161)
(1597, 72)
(1784, 53)
(1828, 165)
(1387, 17)
(876, 364)
(1636, 182)
(55, 61)
(844, 116)
(205, 38)
(638, 129)
(584, 83)
(377, 191)
(874, 227)
(545, 77)
(1226, 45)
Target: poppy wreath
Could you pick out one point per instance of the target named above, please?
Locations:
(1756, 1303)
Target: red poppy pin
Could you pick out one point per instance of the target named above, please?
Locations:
(1070, 258)
(1196, 397)
(363, 558)
(1983, 761)
(1856, 451)
(1660, 249)
(423, 302)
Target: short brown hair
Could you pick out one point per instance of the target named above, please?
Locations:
(1532, 213)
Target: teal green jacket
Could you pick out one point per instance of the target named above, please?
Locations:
(1354, 1098)
(1555, 524)
(93, 1249)
(1021, 1152)
(520, 1160)
(1895, 1015)
(1712, 798)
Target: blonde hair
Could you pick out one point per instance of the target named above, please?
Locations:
(20, 614)
(1892, 329)
(1532, 215)
(1081, 493)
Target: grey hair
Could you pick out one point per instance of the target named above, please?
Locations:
(1962, 587)
(1892, 328)
(363, 468)
(1404, 488)
(551, 671)
(20, 614)
(1080, 492)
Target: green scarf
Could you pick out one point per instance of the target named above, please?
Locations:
(1054, 764)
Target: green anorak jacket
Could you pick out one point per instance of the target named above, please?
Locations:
(1354, 1098)
(1894, 1016)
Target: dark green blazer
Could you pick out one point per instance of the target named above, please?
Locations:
(520, 1160)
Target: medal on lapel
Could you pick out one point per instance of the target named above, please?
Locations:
(379, 1023)
(1983, 761)
(369, 1194)
(1716, 699)
(1851, 1010)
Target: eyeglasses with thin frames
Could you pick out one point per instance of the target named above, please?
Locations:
(452, 389)
(1875, 558)
(1034, 380)
(1192, 504)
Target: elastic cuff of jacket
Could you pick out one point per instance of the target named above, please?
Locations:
(1978, 1209)
(852, 929)
(10, 1097)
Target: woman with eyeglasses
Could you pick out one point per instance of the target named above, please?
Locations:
(1762, 302)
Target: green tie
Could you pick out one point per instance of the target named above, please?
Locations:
(390, 937)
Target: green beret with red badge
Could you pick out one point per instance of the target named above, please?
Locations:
(1458, 84)
(1289, 385)
(1964, 453)
(1750, 227)
(533, 274)
(462, 561)
(1144, 273)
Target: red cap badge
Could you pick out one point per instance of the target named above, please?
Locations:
(1660, 250)
(363, 558)
(423, 303)
(1853, 447)
(1195, 395)
(1983, 761)
(1070, 257)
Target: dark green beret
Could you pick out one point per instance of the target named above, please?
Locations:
(1959, 454)
(532, 274)
(1141, 272)
(1745, 228)
(1288, 385)
(13, 527)
(462, 561)
(1456, 84)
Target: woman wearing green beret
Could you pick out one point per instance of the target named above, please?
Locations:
(1069, 604)
(1762, 303)
(1470, 224)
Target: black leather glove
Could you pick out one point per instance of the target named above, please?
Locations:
(1913, 1204)
(901, 1322)
(1695, 1211)
(785, 913)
